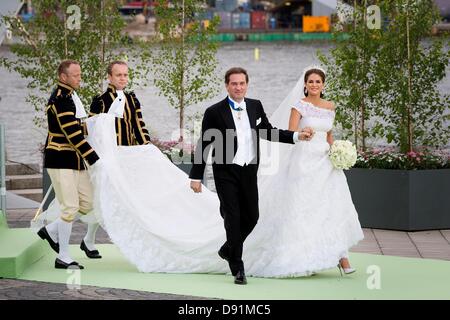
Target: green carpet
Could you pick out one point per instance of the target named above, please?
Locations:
(400, 278)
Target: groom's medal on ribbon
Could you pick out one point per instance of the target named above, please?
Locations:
(238, 109)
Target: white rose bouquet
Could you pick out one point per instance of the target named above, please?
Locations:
(342, 154)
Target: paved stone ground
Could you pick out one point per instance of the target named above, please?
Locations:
(34, 290)
(423, 244)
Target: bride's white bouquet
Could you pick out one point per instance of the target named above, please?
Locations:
(343, 154)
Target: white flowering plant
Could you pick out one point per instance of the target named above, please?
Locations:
(390, 158)
(342, 154)
(177, 152)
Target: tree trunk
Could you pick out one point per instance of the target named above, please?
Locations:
(363, 89)
(103, 48)
(182, 93)
(356, 109)
(181, 100)
(363, 135)
(181, 117)
(409, 107)
(65, 35)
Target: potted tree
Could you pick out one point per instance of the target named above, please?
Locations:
(395, 98)
(184, 67)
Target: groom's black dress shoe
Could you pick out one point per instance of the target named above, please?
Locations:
(59, 264)
(43, 233)
(93, 254)
(240, 278)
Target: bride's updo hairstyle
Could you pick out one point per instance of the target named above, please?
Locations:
(319, 72)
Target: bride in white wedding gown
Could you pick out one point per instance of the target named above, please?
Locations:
(307, 218)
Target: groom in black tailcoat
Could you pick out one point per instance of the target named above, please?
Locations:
(232, 128)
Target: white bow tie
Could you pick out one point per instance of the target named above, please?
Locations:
(80, 112)
(118, 106)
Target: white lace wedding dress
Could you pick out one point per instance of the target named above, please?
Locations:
(307, 217)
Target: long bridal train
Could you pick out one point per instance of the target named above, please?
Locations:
(145, 205)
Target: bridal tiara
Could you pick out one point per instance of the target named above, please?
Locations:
(313, 66)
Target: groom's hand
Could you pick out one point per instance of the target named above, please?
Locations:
(306, 134)
(196, 186)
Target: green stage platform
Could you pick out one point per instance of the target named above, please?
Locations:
(400, 278)
(19, 249)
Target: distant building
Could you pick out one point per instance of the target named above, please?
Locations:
(324, 7)
(289, 13)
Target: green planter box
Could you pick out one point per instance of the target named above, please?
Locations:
(408, 200)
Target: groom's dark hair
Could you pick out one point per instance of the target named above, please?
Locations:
(235, 70)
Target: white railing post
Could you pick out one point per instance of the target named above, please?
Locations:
(2, 173)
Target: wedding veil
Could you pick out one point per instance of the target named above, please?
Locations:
(275, 155)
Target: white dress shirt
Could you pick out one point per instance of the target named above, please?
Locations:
(80, 113)
(246, 150)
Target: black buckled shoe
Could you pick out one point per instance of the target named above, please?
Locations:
(92, 254)
(240, 278)
(43, 233)
(59, 264)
